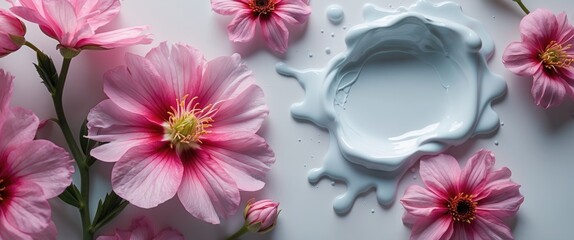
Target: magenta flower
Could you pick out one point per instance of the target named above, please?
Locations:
(31, 171)
(261, 216)
(74, 23)
(545, 53)
(461, 204)
(271, 15)
(141, 230)
(178, 124)
(12, 32)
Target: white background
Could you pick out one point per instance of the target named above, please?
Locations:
(535, 144)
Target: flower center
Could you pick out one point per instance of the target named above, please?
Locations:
(555, 56)
(462, 208)
(262, 7)
(2, 188)
(187, 123)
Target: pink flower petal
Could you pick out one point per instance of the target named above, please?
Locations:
(539, 27)
(108, 122)
(139, 89)
(181, 67)
(433, 228)
(207, 191)
(245, 112)
(441, 175)
(19, 126)
(275, 33)
(106, 11)
(27, 211)
(293, 12)
(117, 38)
(549, 91)
(6, 88)
(245, 156)
(242, 27)
(521, 60)
(565, 29)
(224, 78)
(169, 234)
(113, 151)
(502, 202)
(228, 7)
(419, 201)
(475, 171)
(147, 175)
(487, 226)
(7, 231)
(62, 19)
(48, 166)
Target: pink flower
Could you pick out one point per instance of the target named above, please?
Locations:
(271, 15)
(141, 230)
(176, 123)
(545, 53)
(31, 171)
(261, 216)
(461, 204)
(12, 32)
(74, 23)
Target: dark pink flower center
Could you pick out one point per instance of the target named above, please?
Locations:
(187, 123)
(462, 208)
(2, 189)
(262, 7)
(555, 56)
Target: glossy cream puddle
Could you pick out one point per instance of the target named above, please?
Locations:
(412, 82)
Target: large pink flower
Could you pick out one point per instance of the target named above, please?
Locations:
(141, 230)
(74, 23)
(471, 203)
(271, 15)
(178, 124)
(31, 171)
(12, 32)
(545, 53)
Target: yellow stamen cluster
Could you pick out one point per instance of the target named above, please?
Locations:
(262, 7)
(187, 123)
(555, 56)
(462, 208)
(2, 188)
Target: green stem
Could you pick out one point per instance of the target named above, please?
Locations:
(32, 46)
(74, 149)
(519, 2)
(239, 232)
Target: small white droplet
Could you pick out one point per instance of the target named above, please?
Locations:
(327, 51)
(299, 140)
(322, 31)
(332, 34)
(372, 210)
(310, 55)
(496, 143)
(332, 183)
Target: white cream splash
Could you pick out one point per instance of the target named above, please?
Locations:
(412, 82)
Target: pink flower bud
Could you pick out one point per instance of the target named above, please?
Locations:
(261, 216)
(12, 32)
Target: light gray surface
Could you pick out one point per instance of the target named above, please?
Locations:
(534, 143)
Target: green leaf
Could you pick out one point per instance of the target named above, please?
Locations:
(47, 71)
(108, 209)
(71, 196)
